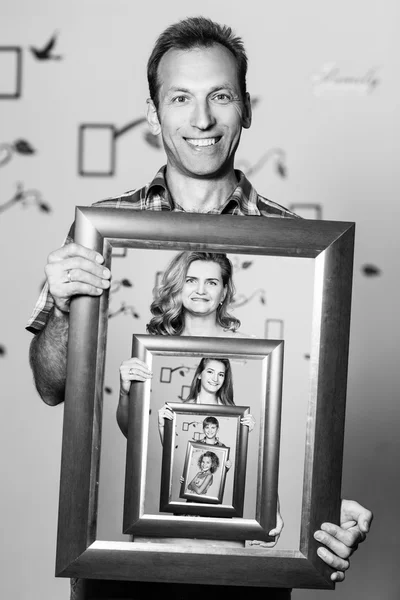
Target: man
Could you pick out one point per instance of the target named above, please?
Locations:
(199, 105)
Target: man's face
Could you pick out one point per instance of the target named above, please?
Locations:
(201, 112)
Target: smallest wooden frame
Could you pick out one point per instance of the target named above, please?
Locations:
(202, 497)
(214, 524)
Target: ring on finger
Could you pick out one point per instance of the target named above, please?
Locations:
(69, 280)
(131, 371)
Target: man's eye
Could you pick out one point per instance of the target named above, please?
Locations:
(222, 98)
(180, 99)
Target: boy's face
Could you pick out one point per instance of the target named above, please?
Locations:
(210, 430)
(201, 112)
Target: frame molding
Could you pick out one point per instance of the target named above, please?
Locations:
(79, 554)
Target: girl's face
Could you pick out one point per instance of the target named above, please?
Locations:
(212, 377)
(206, 463)
(203, 289)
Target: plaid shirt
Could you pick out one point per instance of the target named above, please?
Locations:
(244, 201)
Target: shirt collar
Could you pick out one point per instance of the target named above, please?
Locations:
(242, 201)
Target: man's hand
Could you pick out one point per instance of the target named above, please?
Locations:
(72, 270)
(342, 540)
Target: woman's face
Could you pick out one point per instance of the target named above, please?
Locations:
(213, 376)
(206, 463)
(203, 289)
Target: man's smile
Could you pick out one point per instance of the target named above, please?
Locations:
(202, 142)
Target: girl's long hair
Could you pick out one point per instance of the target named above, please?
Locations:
(167, 308)
(225, 393)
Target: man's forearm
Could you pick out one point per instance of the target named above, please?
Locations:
(48, 358)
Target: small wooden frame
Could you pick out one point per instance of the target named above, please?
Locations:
(195, 455)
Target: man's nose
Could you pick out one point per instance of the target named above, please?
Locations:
(202, 116)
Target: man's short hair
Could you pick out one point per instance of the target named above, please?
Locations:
(195, 32)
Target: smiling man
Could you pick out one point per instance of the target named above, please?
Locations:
(200, 112)
(199, 105)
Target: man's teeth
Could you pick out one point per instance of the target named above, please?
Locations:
(202, 142)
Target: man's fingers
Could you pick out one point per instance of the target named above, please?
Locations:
(80, 269)
(337, 576)
(333, 560)
(75, 276)
(82, 289)
(351, 536)
(341, 542)
(352, 510)
(70, 250)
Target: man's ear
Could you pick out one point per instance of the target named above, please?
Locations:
(152, 118)
(246, 116)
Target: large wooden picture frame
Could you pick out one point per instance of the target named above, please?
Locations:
(79, 553)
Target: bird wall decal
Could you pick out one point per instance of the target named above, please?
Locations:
(45, 53)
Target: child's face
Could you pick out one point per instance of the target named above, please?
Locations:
(210, 430)
(206, 463)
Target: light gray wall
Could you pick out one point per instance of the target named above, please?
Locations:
(340, 142)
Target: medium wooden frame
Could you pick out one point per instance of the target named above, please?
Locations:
(270, 355)
(79, 553)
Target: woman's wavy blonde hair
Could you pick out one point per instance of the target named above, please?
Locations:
(167, 308)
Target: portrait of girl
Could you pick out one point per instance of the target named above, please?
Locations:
(208, 463)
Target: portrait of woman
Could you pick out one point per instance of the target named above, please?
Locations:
(192, 299)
